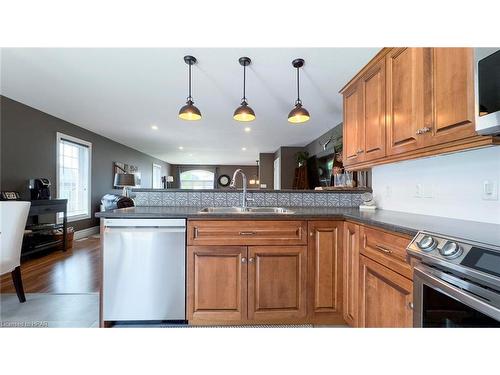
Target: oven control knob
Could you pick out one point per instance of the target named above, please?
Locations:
(427, 243)
(451, 250)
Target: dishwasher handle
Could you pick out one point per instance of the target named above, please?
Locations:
(143, 222)
(145, 229)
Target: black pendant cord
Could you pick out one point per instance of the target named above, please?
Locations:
(298, 89)
(244, 99)
(189, 98)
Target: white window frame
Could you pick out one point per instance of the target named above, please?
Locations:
(157, 166)
(62, 136)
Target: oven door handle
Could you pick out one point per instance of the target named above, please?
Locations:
(480, 303)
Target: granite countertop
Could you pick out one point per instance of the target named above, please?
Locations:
(400, 222)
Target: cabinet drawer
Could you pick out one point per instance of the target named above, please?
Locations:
(386, 248)
(246, 232)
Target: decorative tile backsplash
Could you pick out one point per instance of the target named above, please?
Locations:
(233, 198)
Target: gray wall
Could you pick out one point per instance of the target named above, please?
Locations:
(315, 148)
(28, 149)
(266, 170)
(288, 162)
(249, 170)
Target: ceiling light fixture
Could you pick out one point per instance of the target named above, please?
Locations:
(181, 148)
(299, 114)
(189, 112)
(244, 112)
(243, 149)
(154, 127)
(248, 130)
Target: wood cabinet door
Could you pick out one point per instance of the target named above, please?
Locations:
(385, 297)
(453, 95)
(277, 278)
(405, 99)
(373, 112)
(351, 273)
(324, 259)
(352, 131)
(216, 283)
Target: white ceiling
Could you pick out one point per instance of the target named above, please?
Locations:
(121, 93)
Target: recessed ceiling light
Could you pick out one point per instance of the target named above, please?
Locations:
(243, 149)
(247, 129)
(181, 148)
(190, 154)
(154, 127)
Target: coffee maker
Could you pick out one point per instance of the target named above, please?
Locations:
(39, 188)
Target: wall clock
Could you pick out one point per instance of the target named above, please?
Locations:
(224, 180)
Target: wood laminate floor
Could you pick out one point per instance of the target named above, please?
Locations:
(73, 271)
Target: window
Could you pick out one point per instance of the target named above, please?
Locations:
(157, 176)
(197, 179)
(73, 175)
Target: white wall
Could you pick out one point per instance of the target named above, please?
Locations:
(450, 185)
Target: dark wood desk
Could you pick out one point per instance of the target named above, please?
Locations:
(49, 206)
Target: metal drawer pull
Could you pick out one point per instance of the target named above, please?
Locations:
(250, 260)
(247, 233)
(410, 305)
(381, 248)
(243, 260)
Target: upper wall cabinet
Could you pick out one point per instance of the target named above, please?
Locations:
(452, 75)
(352, 125)
(373, 112)
(364, 117)
(410, 102)
(405, 99)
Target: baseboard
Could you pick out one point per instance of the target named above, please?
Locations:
(87, 232)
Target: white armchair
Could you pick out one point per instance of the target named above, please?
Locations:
(13, 216)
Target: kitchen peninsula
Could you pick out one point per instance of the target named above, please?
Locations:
(312, 264)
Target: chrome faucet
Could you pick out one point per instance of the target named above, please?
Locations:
(244, 198)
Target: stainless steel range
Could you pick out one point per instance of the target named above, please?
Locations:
(456, 282)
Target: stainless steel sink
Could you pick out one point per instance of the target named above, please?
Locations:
(248, 210)
(269, 210)
(222, 210)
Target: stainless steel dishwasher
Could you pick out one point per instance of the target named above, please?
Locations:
(144, 269)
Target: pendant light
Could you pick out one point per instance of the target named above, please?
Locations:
(189, 112)
(244, 112)
(254, 180)
(299, 114)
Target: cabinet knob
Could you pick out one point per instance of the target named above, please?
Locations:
(360, 151)
(410, 305)
(419, 131)
(243, 260)
(251, 260)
